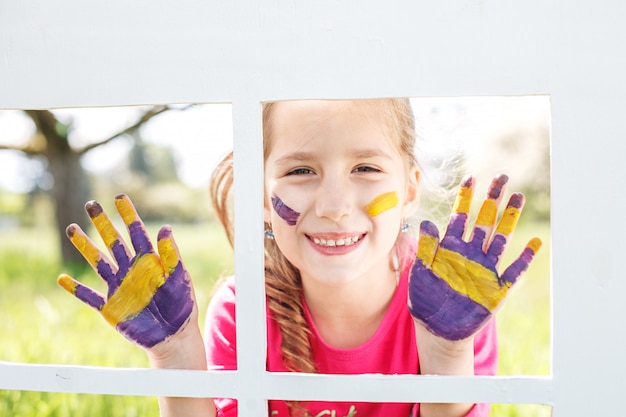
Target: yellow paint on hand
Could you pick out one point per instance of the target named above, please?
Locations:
(104, 226)
(86, 248)
(469, 278)
(487, 214)
(127, 210)
(382, 203)
(509, 221)
(169, 255)
(67, 283)
(427, 248)
(534, 244)
(136, 290)
(463, 200)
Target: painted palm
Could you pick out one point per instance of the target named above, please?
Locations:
(150, 296)
(455, 286)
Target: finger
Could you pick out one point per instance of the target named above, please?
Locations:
(428, 243)
(175, 297)
(168, 250)
(110, 236)
(136, 229)
(515, 270)
(461, 208)
(96, 258)
(486, 219)
(506, 226)
(82, 292)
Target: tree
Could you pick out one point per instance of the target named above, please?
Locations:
(71, 188)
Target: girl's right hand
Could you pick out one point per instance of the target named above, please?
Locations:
(150, 295)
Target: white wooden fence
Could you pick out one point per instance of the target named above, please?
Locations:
(71, 53)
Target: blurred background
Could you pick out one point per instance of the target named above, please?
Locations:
(162, 156)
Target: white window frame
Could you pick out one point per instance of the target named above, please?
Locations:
(74, 53)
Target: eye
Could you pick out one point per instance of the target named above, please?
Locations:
(300, 171)
(366, 168)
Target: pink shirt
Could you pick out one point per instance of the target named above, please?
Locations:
(391, 350)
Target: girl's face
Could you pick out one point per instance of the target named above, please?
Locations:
(336, 189)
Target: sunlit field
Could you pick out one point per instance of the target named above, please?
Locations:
(41, 323)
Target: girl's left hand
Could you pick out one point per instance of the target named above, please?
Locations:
(454, 285)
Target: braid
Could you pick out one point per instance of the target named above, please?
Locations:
(284, 298)
(283, 286)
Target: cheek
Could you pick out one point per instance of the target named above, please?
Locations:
(285, 212)
(381, 203)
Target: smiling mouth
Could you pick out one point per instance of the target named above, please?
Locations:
(345, 241)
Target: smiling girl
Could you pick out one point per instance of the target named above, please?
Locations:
(349, 291)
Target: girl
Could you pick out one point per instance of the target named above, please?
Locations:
(341, 181)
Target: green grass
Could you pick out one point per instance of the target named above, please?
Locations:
(43, 324)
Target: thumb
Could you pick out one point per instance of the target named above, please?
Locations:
(428, 243)
(168, 250)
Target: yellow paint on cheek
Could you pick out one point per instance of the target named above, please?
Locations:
(469, 278)
(106, 229)
(382, 203)
(487, 213)
(463, 200)
(509, 221)
(426, 249)
(136, 290)
(91, 254)
(169, 257)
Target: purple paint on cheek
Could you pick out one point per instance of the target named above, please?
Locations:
(284, 211)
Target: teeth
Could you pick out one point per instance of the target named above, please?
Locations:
(339, 242)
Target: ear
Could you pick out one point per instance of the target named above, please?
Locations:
(412, 196)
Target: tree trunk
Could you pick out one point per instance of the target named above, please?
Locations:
(69, 193)
(71, 188)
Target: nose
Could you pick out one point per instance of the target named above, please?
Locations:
(333, 199)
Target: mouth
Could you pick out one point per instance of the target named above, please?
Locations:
(330, 241)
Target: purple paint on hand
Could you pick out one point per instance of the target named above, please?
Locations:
(166, 313)
(454, 285)
(495, 188)
(139, 238)
(284, 211)
(150, 295)
(445, 312)
(457, 224)
(89, 297)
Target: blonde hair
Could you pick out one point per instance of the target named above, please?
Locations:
(283, 284)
